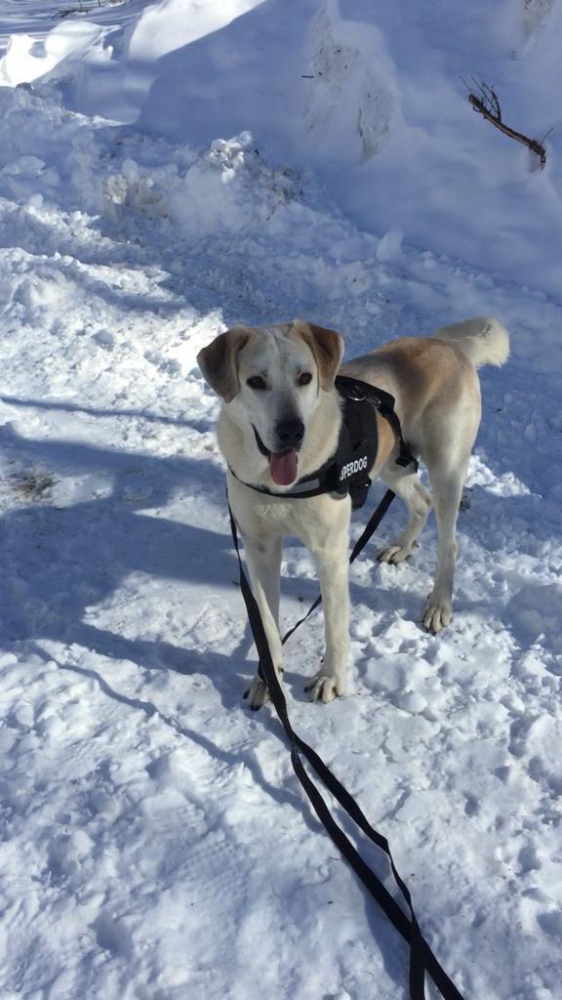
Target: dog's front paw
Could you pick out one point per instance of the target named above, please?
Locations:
(437, 614)
(257, 694)
(325, 687)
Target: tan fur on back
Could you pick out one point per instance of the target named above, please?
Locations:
(420, 374)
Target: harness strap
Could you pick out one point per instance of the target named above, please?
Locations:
(355, 388)
(422, 958)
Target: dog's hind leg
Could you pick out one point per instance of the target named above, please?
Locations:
(407, 485)
(263, 557)
(447, 484)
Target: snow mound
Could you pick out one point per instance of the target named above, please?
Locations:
(371, 99)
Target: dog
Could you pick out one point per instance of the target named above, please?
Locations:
(280, 421)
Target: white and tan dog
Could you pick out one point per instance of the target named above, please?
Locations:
(280, 421)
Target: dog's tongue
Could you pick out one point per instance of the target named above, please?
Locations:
(283, 467)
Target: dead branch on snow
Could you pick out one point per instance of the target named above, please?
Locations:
(485, 100)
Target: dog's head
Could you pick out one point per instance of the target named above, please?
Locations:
(272, 379)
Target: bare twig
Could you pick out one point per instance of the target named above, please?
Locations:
(85, 6)
(485, 100)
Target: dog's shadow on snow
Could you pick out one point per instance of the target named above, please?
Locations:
(63, 560)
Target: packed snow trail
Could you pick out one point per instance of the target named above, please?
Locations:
(155, 845)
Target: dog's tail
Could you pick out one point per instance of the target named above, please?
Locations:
(483, 340)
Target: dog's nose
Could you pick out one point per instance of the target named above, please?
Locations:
(290, 432)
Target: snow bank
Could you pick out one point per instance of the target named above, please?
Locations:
(373, 100)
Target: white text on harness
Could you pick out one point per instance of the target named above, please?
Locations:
(358, 465)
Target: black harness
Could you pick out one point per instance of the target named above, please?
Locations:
(347, 471)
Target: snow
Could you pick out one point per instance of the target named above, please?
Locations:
(167, 170)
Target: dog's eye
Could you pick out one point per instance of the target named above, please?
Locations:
(256, 382)
(305, 378)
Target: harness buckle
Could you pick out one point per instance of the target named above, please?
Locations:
(356, 394)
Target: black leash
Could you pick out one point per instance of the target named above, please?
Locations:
(422, 958)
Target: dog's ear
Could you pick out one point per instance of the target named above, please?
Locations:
(327, 347)
(217, 361)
